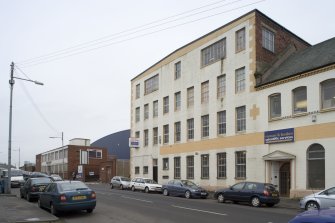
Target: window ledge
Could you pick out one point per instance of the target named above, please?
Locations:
(327, 110)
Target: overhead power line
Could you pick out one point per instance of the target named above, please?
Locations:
(95, 44)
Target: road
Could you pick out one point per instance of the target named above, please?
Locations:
(132, 207)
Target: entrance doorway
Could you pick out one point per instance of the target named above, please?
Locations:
(284, 179)
(155, 173)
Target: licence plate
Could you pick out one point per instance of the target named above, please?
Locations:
(274, 195)
(77, 198)
(41, 188)
(203, 193)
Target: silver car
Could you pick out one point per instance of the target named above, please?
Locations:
(120, 182)
(319, 200)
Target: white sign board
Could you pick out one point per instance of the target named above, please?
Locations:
(134, 142)
(80, 169)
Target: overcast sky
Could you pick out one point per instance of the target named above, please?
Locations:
(87, 94)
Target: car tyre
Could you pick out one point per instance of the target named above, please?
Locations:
(53, 210)
(133, 188)
(255, 202)
(21, 195)
(89, 210)
(39, 203)
(221, 198)
(112, 186)
(187, 194)
(121, 187)
(165, 192)
(146, 189)
(312, 205)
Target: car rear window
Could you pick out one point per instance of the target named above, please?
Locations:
(125, 179)
(72, 186)
(41, 180)
(270, 187)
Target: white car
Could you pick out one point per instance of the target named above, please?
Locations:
(319, 200)
(145, 184)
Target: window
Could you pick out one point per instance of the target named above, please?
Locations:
(146, 111)
(137, 134)
(137, 170)
(221, 119)
(190, 167)
(165, 163)
(166, 105)
(190, 128)
(268, 39)
(177, 103)
(177, 167)
(166, 134)
(94, 153)
(155, 109)
(205, 166)
(146, 137)
(204, 126)
(155, 136)
(137, 118)
(221, 86)
(240, 119)
(190, 97)
(240, 40)
(275, 105)
(221, 165)
(151, 84)
(145, 170)
(240, 80)
(299, 100)
(213, 53)
(316, 167)
(177, 70)
(204, 92)
(138, 91)
(328, 94)
(240, 165)
(177, 132)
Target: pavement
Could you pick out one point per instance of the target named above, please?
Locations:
(16, 210)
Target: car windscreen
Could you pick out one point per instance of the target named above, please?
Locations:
(149, 181)
(41, 180)
(72, 186)
(125, 179)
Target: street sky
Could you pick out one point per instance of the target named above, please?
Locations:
(87, 51)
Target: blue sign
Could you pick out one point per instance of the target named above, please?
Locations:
(279, 136)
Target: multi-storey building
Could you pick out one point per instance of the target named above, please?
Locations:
(248, 101)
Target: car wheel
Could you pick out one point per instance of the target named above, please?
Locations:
(112, 186)
(270, 205)
(39, 203)
(255, 202)
(133, 188)
(53, 210)
(187, 194)
(146, 190)
(21, 195)
(221, 198)
(121, 187)
(28, 197)
(89, 210)
(311, 205)
(165, 192)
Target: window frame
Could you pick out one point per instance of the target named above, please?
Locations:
(177, 132)
(299, 95)
(190, 97)
(324, 88)
(213, 52)
(268, 39)
(165, 163)
(151, 84)
(274, 101)
(190, 129)
(177, 70)
(204, 166)
(221, 86)
(177, 101)
(221, 165)
(240, 80)
(240, 165)
(166, 105)
(189, 167)
(222, 123)
(177, 166)
(165, 134)
(241, 122)
(240, 40)
(205, 126)
(205, 92)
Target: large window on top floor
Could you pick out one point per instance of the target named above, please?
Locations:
(268, 39)
(299, 100)
(177, 70)
(151, 84)
(274, 105)
(328, 94)
(213, 53)
(316, 167)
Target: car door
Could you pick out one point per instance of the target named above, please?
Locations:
(247, 191)
(234, 191)
(44, 199)
(179, 188)
(25, 188)
(327, 198)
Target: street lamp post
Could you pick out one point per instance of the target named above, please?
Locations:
(62, 138)
(12, 82)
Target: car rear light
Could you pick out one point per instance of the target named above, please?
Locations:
(93, 195)
(33, 189)
(266, 193)
(62, 197)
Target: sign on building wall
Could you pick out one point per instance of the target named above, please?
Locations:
(134, 142)
(279, 136)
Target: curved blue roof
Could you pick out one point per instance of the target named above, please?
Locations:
(116, 143)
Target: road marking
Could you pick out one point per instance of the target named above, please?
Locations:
(191, 209)
(137, 199)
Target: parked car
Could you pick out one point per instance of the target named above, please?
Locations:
(322, 199)
(254, 193)
(16, 179)
(183, 188)
(145, 184)
(35, 175)
(120, 182)
(33, 187)
(67, 196)
(56, 177)
(316, 216)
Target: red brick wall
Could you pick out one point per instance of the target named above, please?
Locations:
(38, 163)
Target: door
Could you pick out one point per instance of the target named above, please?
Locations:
(284, 179)
(155, 173)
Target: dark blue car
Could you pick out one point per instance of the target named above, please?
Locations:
(315, 216)
(185, 188)
(67, 196)
(254, 193)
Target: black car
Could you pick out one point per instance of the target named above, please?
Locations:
(185, 188)
(33, 187)
(254, 193)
